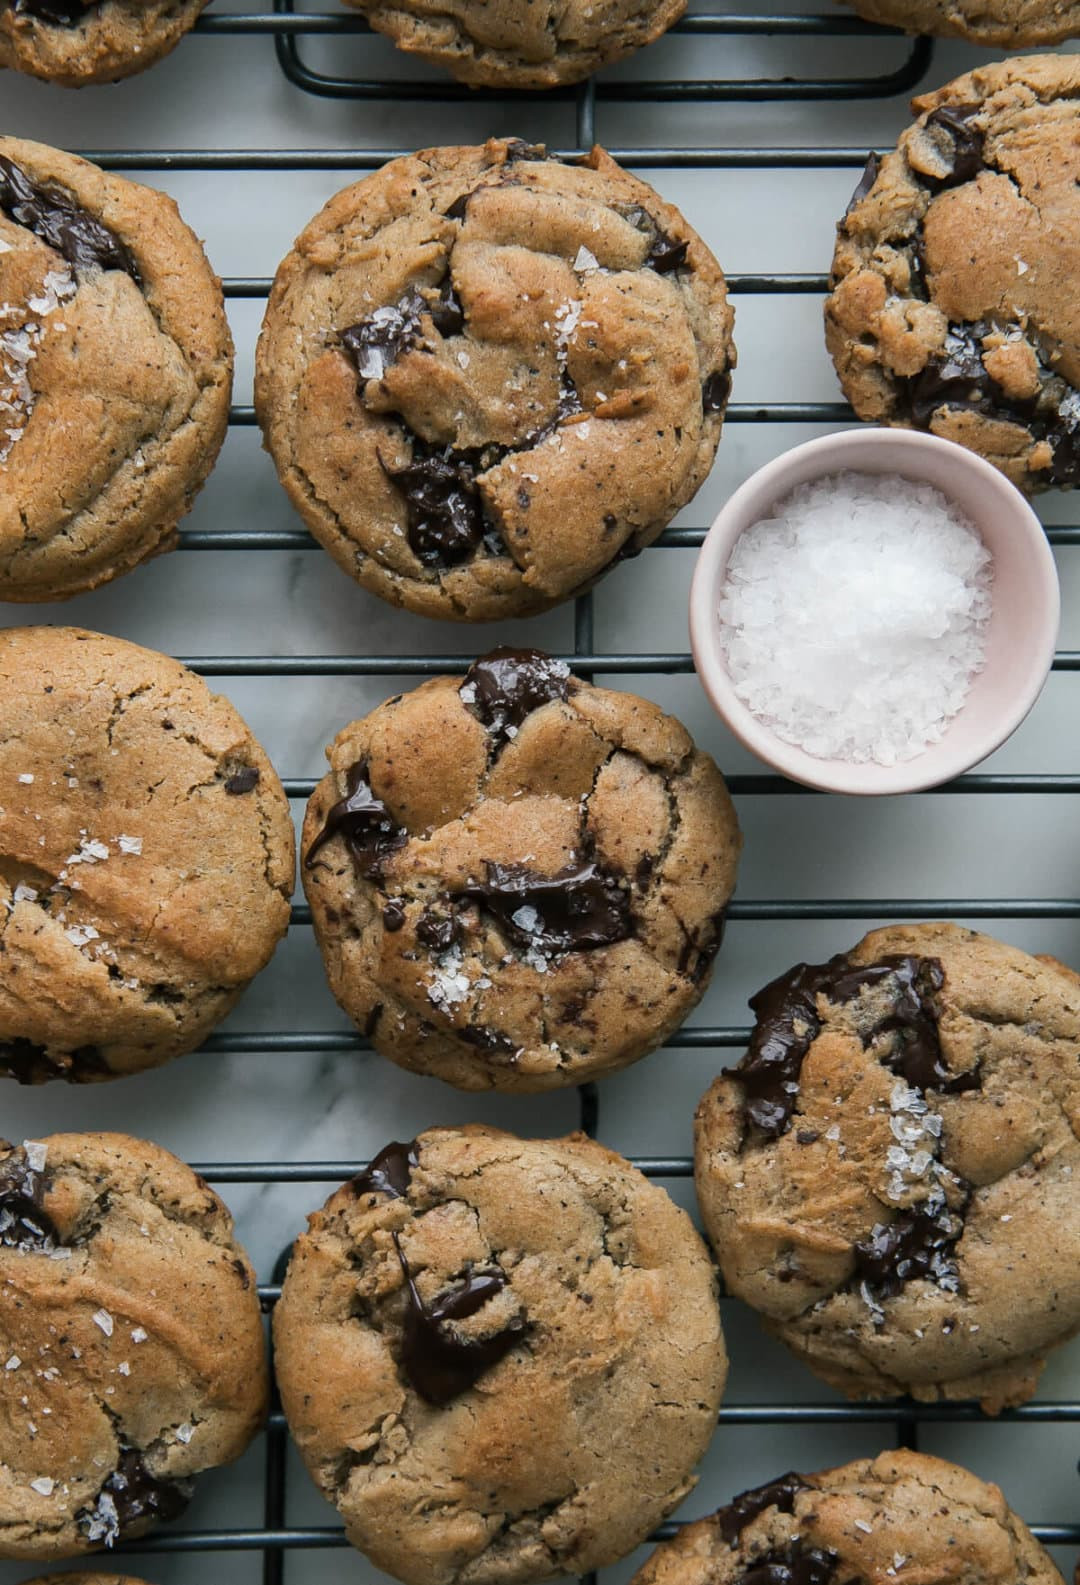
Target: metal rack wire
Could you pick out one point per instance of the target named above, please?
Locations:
(287, 27)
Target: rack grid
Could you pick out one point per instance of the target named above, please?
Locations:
(287, 27)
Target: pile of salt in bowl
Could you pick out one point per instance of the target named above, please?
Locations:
(854, 618)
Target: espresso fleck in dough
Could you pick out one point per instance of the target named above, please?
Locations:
(75, 42)
(132, 1344)
(876, 1519)
(115, 372)
(602, 1299)
(911, 1225)
(931, 330)
(524, 874)
(485, 376)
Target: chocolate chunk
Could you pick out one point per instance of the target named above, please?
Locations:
(28, 1063)
(374, 343)
(243, 781)
(438, 929)
(866, 181)
(793, 1564)
(578, 908)
(787, 1024)
(53, 215)
(490, 1040)
(58, 13)
(732, 1520)
(132, 1498)
(458, 207)
(918, 1243)
(389, 1172)
(666, 254)
(963, 146)
(370, 831)
(393, 914)
(506, 685)
(715, 391)
(518, 149)
(444, 511)
(24, 1223)
(440, 1364)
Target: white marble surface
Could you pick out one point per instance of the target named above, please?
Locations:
(228, 92)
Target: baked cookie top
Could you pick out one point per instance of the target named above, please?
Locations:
(890, 1173)
(132, 1341)
(74, 42)
(518, 880)
(507, 45)
(500, 1358)
(873, 1520)
(115, 372)
(931, 328)
(146, 856)
(1011, 24)
(485, 375)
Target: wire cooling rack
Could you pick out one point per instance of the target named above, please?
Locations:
(289, 29)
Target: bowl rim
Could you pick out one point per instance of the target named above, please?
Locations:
(839, 451)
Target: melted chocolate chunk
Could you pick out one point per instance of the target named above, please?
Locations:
(243, 781)
(393, 914)
(788, 1024)
(666, 254)
(715, 391)
(132, 1498)
(458, 207)
(578, 908)
(24, 1223)
(376, 342)
(965, 145)
(493, 1041)
(507, 685)
(518, 149)
(390, 1171)
(28, 1063)
(441, 1365)
(793, 1564)
(866, 181)
(370, 831)
(918, 1243)
(53, 215)
(444, 512)
(732, 1520)
(58, 13)
(438, 930)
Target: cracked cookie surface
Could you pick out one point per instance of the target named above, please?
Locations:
(561, 1455)
(1009, 24)
(890, 1175)
(507, 45)
(115, 372)
(901, 1514)
(485, 376)
(131, 1336)
(518, 880)
(74, 42)
(931, 329)
(146, 856)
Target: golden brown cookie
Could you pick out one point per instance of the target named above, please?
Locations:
(507, 45)
(485, 376)
(500, 1358)
(900, 1515)
(131, 1338)
(115, 372)
(74, 42)
(890, 1175)
(953, 306)
(518, 881)
(1009, 24)
(146, 856)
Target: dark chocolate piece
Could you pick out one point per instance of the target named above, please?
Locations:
(28, 1063)
(493, 1041)
(507, 685)
(666, 254)
(57, 13)
(390, 1171)
(132, 1498)
(370, 831)
(54, 215)
(393, 914)
(715, 391)
(243, 781)
(458, 207)
(793, 1564)
(24, 1223)
(732, 1520)
(518, 149)
(438, 930)
(918, 1243)
(374, 343)
(578, 908)
(444, 512)
(866, 181)
(441, 1365)
(965, 141)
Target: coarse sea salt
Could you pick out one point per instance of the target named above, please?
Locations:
(854, 618)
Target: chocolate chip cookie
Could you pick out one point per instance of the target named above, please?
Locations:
(507, 45)
(518, 881)
(1011, 24)
(931, 328)
(74, 42)
(890, 1173)
(131, 1339)
(146, 856)
(486, 375)
(500, 1358)
(115, 372)
(899, 1515)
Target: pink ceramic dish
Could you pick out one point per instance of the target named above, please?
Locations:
(1023, 626)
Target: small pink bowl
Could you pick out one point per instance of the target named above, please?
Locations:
(1023, 625)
